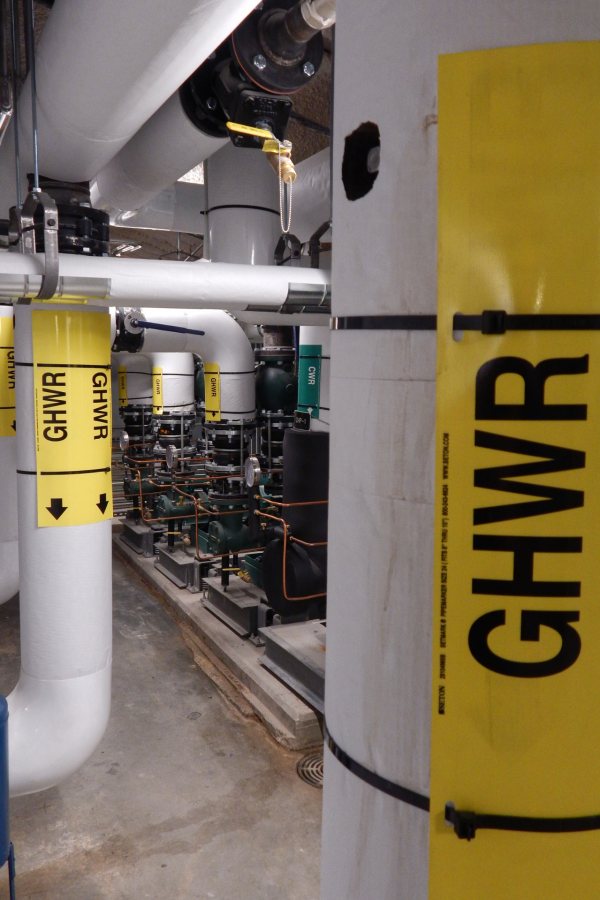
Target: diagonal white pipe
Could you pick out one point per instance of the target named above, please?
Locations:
(103, 69)
(60, 707)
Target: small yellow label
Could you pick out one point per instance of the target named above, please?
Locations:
(212, 392)
(71, 360)
(122, 381)
(157, 391)
(7, 378)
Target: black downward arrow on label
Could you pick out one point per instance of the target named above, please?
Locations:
(56, 507)
(14, 426)
(103, 504)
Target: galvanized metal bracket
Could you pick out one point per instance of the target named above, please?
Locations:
(22, 237)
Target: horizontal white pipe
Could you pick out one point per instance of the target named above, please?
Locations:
(141, 282)
(163, 150)
(60, 707)
(103, 69)
(224, 343)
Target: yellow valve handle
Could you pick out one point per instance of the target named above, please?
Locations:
(250, 130)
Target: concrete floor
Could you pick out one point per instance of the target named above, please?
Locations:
(183, 799)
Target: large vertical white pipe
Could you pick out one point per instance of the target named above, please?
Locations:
(60, 706)
(377, 699)
(177, 381)
(9, 557)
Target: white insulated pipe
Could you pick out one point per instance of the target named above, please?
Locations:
(163, 150)
(242, 208)
(102, 70)
(9, 556)
(110, 281)
(60, 706)
(224, 343)
(177, 381)
(138, 377)
(311, 194)
(381, 516)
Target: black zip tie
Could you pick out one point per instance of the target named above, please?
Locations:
(467, 823)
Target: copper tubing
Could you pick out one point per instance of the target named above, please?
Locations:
(285, 543)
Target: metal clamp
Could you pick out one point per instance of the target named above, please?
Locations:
(22, 237)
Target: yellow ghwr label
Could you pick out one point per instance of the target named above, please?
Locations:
(212, 392)
(122, 380)
(71, 360)
(7, 378)
(516, 627)
(157, 391)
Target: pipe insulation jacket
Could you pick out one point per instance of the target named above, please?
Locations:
(61, 704)
(163, 150)
(224, 343)
(9, 557)
(381, 513)
(177, 381)
(102, 70)
(110, 281)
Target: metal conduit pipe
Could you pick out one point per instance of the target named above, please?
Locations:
(184, 285)
(9, 557)
(60, 706)
(103, 69)
(223, 343)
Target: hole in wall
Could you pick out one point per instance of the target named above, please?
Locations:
(360, 164)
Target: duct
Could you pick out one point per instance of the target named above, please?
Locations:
(163, 150)
(190, 285)
(177, 381)
(9, 558)
(223, 343)
(103, 69)
(60, 706)
(378, 699)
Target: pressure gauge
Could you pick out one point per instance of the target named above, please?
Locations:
(171, 456)
(252, 472)
(124, 441)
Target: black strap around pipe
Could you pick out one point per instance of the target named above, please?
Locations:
(466, 823)
(157, 326)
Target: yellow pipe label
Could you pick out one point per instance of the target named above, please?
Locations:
(122, 381)
(212, 392)
(7, 378)
(516, 627)
(157, 391)
(71, 363)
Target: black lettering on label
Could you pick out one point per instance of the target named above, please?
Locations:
(11, 369)
(524, 549)
(499, 478)
(531, 623)
(100, 399)
(534, 378)
(213, 387)
(54, 406)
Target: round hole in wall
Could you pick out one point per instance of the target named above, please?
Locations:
(360, 164)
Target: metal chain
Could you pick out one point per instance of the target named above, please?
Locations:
(285, 226)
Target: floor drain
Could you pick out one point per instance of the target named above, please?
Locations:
(310, 769)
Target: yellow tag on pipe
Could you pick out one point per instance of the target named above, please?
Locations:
(122, 380)
(157, 391)
(516, 626)
(7, 378)
(212, 392)
(72, 395)
(250, 130)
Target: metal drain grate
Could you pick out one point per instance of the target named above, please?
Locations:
(310, 769)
